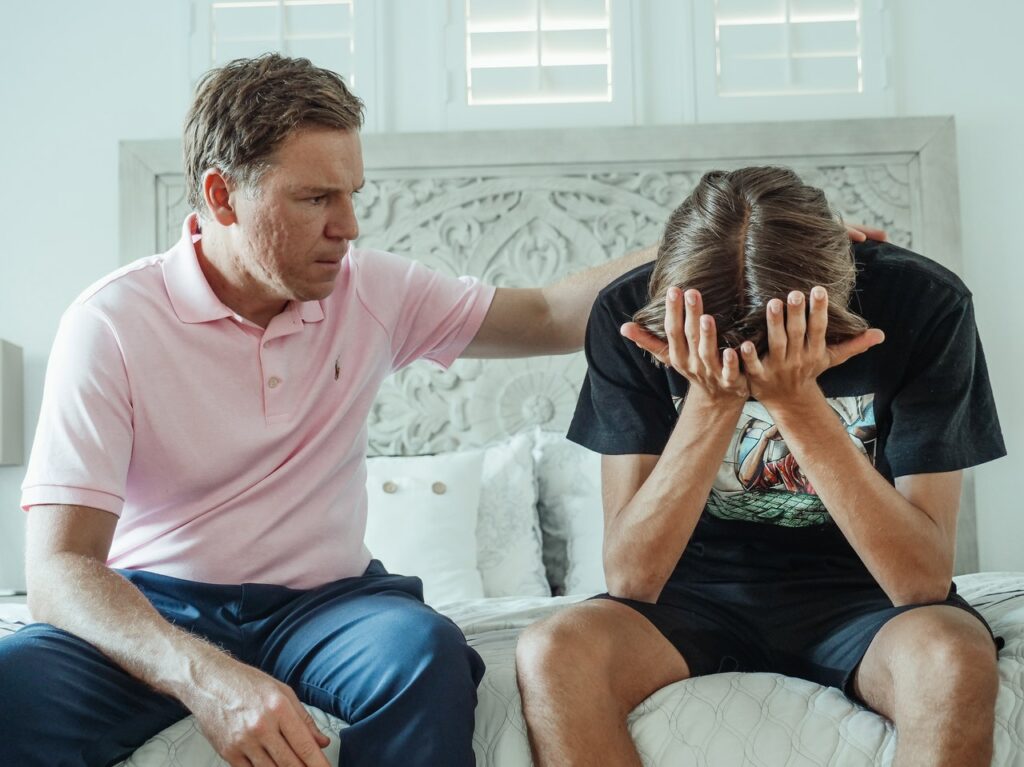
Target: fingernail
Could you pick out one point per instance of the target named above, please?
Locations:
(818, 292)
(775, 306)
(673, 294)
(691, 298)
(748, 348)
(705, 323)
(796, 298)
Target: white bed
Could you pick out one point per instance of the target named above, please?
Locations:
(724, 720)
(524, 208)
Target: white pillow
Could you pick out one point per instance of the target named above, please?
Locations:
(422, 519)
(508, 531)
(571, 516)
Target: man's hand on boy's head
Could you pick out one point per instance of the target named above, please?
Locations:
(797, 352)
(859, 233)
(691, 348)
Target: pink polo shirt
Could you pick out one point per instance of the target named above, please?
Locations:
(234, 454)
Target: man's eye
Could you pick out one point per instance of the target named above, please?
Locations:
(318, 199)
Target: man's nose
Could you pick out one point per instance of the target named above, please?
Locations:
(343, 224)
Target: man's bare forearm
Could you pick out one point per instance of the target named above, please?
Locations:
(902, 547)
(644, 540)
(569, 300)
(84, 597)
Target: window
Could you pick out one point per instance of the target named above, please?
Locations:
(327, 32)
(803, 58)
(521, 61)
(538, 51)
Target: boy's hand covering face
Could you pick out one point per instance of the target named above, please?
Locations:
(797, 353)
(691, 348)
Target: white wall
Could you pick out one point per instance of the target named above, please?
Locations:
(75, 79)
(74, 82)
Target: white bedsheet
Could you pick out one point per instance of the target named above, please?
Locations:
(722, 720)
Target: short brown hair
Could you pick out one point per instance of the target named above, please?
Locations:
(744, 237)
(244, 110)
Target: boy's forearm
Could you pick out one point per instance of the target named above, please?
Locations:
(645, 539)
(902, 547)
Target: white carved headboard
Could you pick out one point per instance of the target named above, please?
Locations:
(521, 208)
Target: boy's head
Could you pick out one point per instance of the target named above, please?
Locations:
(744, 237)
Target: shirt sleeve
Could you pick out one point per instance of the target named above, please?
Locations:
(425, 313)
(83, 440)
(624, 406)
(944, 416)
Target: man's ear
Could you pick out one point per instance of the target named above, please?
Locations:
(217, 196)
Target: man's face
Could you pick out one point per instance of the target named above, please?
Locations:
(294, 231)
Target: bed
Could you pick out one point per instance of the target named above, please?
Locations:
(515, 532)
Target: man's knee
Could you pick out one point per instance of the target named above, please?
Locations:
(435, 649)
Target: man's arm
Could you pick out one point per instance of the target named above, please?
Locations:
(239, 708)
(905, 535)
(522, 322)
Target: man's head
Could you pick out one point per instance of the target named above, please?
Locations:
(744, 237)
(243, 111)
(273, 159)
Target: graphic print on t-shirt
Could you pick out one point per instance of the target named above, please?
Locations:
(760, 480)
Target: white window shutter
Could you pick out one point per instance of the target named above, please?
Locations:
(538, 51)
(789, 59)
(320, 30)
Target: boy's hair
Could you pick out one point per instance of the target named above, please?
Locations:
(243, 111)
(744, 237)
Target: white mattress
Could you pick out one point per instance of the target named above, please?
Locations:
(725, 719)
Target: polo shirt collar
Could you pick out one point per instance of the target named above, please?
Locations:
(191, 295)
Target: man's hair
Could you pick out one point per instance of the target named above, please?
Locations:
(744, 237)
(243, 111)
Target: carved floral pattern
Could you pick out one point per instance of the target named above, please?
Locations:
(521, 230)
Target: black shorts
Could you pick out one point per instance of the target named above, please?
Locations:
(813, 629)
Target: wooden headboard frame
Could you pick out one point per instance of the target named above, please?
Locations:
(525, 207)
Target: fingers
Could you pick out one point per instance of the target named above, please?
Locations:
(859, 233)
(674, 329)
(751, 362)
(730, 367)
(841, 352)
(691, 324)
(817, 317)
(796, 320)
(646, 340)
(707, 346)
(321, 739)
(776, 329)
(300, 739)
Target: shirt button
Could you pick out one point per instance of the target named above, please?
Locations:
(390, 487)
(440, 488)
(273, 382)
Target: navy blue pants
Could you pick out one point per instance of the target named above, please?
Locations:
(365, 649)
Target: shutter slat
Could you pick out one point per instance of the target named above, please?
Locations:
(537, 51)
(780, 47)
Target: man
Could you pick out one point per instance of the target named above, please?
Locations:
(785, 504)
(196, 490)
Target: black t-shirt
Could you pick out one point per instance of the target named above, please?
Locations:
(918, 403)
